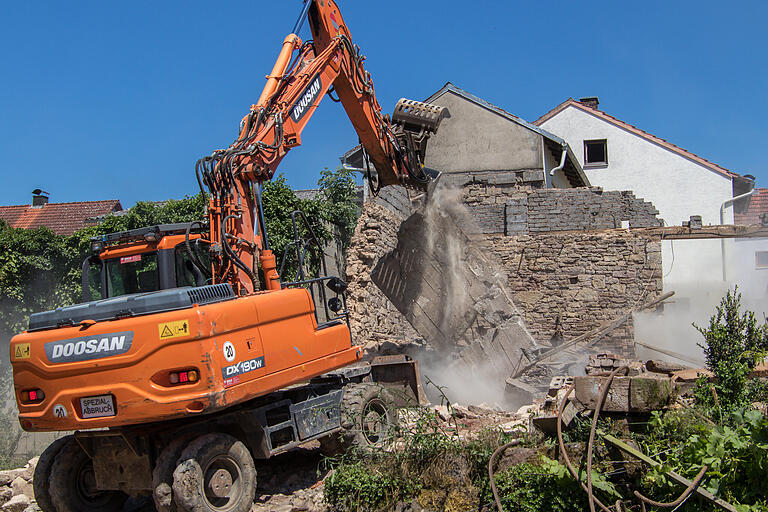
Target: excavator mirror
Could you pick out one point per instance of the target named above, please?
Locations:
(336, 285)
(96, 246)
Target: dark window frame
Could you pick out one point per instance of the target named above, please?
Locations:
(603, 163)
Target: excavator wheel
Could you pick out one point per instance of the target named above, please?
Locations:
(73, 483)
(368, 420)
(162, 474)
(215, 473)
(43, 474)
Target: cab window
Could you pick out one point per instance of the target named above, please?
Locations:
(132, 274)
(186, 272)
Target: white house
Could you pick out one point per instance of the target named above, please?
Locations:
(616, 155)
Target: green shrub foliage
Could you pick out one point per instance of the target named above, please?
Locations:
(733, 344)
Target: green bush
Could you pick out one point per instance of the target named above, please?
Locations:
(363, 487)
(736, 456)
(545, 487)
(733, 344)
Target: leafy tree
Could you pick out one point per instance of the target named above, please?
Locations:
(338, 194)
(332, 212)
(279, 202)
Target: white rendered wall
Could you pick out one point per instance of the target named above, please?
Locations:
(676, 186)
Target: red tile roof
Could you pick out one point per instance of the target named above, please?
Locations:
(637, 131)
(61, 218)
(758, 205)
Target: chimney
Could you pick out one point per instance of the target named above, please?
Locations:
(39, 198)
(590, 101)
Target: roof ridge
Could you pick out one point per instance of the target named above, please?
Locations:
(638, 131)
(66, 203)
(496, 109)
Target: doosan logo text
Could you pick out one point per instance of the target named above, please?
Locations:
(86, 348)
(306, 99)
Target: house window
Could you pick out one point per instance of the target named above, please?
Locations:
(596, 152)
(761, 259)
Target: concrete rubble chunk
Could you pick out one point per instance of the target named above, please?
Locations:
(463, 412)
(640, 393)
(547, 422)
(17, 504)
(657, 366)
(5, 494)
(22, 486)
(442, 412)
(9, 475)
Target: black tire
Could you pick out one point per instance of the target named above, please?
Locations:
(368, 420)
(73, 483)
(215, 473)
(43, 474)
(162, 474)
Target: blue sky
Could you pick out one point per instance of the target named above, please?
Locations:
(102, 100)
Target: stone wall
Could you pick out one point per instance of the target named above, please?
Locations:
(567, 284)
(508, 209)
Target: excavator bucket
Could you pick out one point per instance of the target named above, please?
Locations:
(414, 122)
(417, 116)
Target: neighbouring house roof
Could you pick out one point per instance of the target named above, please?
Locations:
(573, 169)
(570, 102)
(61, 218)
(758, 205)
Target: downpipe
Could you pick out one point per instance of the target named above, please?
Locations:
(563, 156)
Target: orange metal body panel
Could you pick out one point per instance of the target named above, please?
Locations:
(279, 326)
(134, 248)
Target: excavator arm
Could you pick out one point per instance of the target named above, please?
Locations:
(304, 73)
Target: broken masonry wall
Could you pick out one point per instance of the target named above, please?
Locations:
(568, 267)
(374, 320)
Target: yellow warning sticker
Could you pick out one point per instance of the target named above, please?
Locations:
(22, 351)
(170, 330)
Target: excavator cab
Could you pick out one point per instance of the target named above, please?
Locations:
(146, 260)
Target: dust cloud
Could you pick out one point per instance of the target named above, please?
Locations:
(480, 329)
(694, 271)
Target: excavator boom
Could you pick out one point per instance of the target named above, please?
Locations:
(304, 73)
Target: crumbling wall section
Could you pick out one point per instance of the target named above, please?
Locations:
(374, 320)
(511, 210)
(569, 268)
(567, 284)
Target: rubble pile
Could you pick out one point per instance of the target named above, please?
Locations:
(16, 494)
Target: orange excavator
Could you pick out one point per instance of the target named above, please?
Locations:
(190, 357)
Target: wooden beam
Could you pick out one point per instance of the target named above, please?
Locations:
(670, 353)
(717, 231)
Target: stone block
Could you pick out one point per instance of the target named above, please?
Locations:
(642, 393)
(548, 422)
(17, 504)
(21, 486)
(587, 391)
(649, 393)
